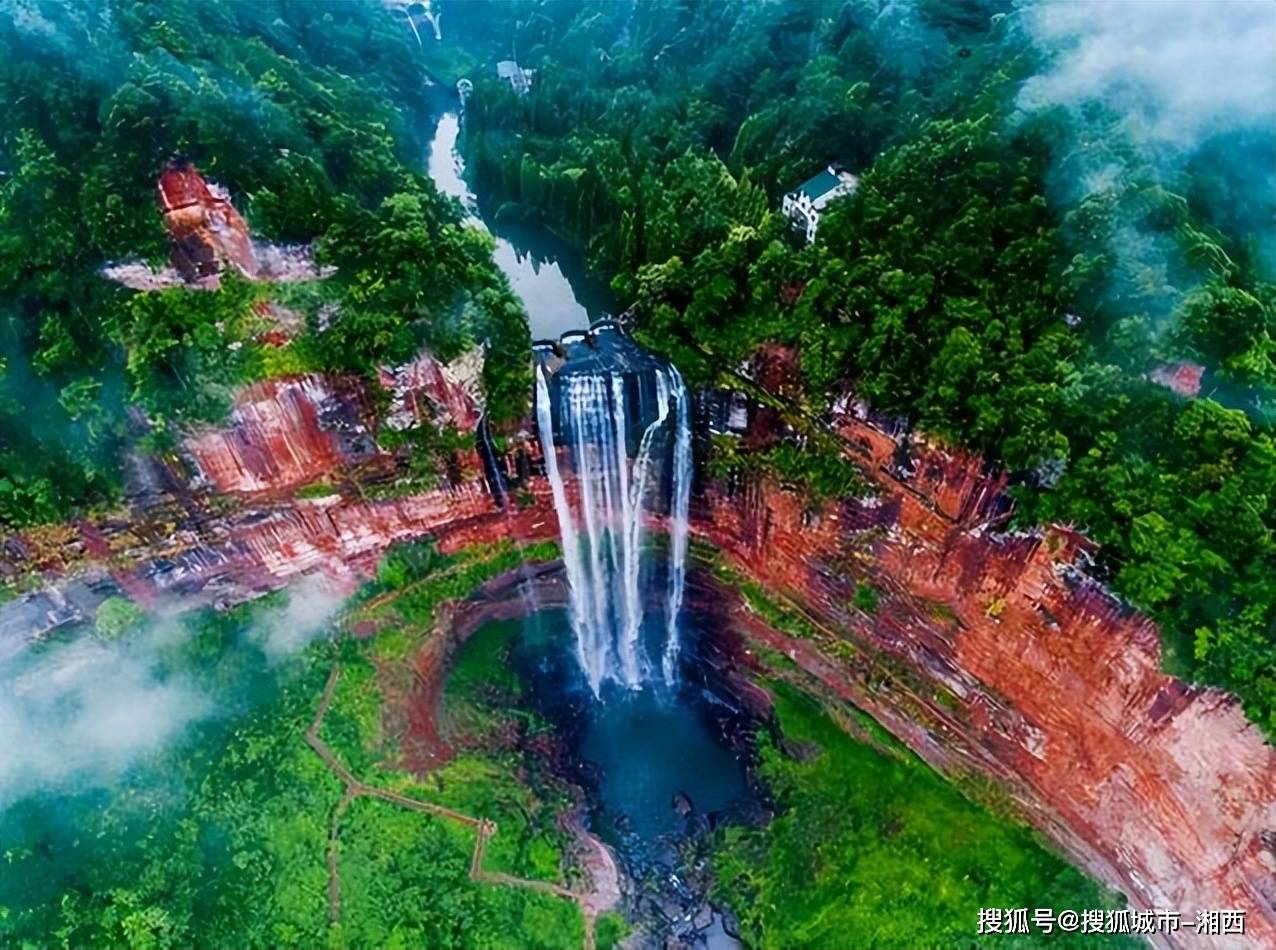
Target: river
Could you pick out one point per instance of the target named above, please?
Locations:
(659, 763)
(660, 772)
(547, 274)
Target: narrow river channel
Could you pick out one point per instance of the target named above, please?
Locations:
(662, 766)
(536, 262)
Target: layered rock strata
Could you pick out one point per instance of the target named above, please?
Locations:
(989, 653)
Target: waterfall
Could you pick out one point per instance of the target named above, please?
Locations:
(603, 532)
(679, 506)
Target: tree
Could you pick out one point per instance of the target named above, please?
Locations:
(116, 617)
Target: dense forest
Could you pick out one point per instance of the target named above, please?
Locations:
(970, 284)
(1013, 273)
(1005, 277)
(311, 116)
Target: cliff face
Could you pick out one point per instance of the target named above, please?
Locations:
(284, 433)
(206, 232)
(426, 390)
(997, 654)
(288, 432)
(990, 654)
(230, 556)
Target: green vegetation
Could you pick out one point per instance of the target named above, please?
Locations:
(310, 118)
(319, 489)
(432, 454)
(423, 577)
(481, 674)
(172, 852)
(415, 872)
(115, 617)
(479, 705)
(661, 142)
(865, 598)
(870, 850)
(221, 839)
(781, 615)
(818, 470)
(481, 709)
(610, 930)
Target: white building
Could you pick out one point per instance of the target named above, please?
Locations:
(804, 205)
(520, 79)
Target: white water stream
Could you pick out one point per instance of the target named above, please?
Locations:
(602, 514)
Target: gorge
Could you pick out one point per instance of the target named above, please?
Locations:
(651, 749)
(445, 602)
(931, 663)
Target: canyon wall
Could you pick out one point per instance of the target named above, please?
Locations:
(239, 529)
(283, 433)
(287, 432)
(988, 653)
(996, 654)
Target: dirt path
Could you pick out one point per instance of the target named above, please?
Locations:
(602, 894)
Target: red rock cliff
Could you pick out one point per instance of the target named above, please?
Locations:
(206, 232)
(290, 431)
(989, 653)
(997, 653)
(284, 433)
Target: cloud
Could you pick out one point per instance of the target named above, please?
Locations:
(79, 714)
(307, 615)
(1162, 94)
(1177, 71)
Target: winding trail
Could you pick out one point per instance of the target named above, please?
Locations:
(598, 897)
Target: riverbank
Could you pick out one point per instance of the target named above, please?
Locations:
(545, 271)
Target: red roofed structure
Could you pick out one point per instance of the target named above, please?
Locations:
(1184, 378)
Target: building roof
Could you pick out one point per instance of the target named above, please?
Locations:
(1184, 378)
(819, 185)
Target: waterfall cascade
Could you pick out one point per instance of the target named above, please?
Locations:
(621, 417)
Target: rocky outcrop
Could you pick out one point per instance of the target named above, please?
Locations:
(988, 653)
(291, 431)
(1183, 378)
(231, 555)
(207, 234)
(997, 654)
(428, 391)
(283, 433)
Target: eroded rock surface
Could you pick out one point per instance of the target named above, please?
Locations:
(988, 652)
(283, 433)
(997, 653)
(206, 232)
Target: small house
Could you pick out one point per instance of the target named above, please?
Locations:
(804, 205)
(520, 79)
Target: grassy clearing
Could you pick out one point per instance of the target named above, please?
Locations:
(882, 852)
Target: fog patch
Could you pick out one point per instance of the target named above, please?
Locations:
(77, 715)
(312, 603)
(1179, 96)
(1177, 71)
